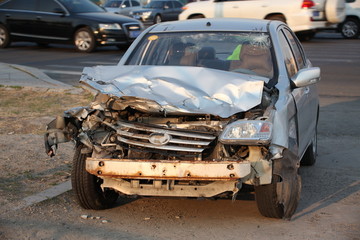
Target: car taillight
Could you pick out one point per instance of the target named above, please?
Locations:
(307, 4)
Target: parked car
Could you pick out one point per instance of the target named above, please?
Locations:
(123, 7)
(350, 27)
(80, 22)
(158, 11)
(197, 109)
(301, 15)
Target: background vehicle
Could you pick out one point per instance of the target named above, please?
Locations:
(158, 11)
(122, 7)
(194, 113)
(80, 22)
(350, 27)
(301, 15)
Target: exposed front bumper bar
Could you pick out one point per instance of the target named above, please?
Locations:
(167, 169)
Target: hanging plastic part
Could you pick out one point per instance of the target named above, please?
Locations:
(236, 190)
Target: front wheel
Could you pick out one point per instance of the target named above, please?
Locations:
(4, 37)
(350, 28)
(84, 40)
(157, 19)
(268, 199)
(87, 187)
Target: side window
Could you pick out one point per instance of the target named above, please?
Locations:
(169, 5)
(20, 4)
(127, 3)
(288, 55)
(177, 5)
(48, 6)
(297, 50)
(135, 3)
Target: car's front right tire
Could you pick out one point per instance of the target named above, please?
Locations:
(84, 40)
(4, 37)
(87, 187)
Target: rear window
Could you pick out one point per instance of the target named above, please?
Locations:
(242, 52)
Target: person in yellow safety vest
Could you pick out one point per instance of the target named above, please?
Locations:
(235, 54)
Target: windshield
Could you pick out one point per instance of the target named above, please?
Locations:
(244, 52)
(81, 6)
(154, 5)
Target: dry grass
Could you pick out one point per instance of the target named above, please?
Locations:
(24, 110)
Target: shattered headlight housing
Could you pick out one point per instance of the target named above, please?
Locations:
(247, 132)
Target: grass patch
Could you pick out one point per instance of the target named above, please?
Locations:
(21, 109)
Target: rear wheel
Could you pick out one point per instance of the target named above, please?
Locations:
(350, 28)
(277, 17)
(87, 187)
(4, 37)
(196, 17)
(84, 40)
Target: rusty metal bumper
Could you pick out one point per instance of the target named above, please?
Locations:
(168, 170)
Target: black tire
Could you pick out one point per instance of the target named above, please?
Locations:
(266, 199)
(350, 28)
(305, 36)
(84, 40)
(4, 37)
(196, 17)
(87, 186)
(309, 157)
(157, 19)
(277, 17)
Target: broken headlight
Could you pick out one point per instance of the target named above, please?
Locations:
(247, 132)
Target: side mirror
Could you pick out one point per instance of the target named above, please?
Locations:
(123, 6)
(306, 77)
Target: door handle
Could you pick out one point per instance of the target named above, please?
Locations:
(38, 18)
(8, 15)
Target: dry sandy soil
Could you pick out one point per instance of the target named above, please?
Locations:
(329, 207)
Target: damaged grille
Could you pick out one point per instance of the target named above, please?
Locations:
(161, 138)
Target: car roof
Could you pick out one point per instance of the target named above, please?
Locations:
(213, 24)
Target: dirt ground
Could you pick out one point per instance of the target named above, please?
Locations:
(329, 207)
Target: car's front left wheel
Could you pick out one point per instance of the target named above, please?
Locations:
(87, 187)
(4, 37)
(84, 40)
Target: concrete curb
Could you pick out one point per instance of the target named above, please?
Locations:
(23, 76)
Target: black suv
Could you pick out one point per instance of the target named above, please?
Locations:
(80, 22)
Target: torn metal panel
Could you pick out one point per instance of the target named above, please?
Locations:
(179, 89)
(164, 169)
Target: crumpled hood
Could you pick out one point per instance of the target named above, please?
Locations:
(178, 89)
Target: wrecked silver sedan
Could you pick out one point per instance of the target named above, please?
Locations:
(197, 109)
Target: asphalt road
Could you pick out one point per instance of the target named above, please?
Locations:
(329, 207)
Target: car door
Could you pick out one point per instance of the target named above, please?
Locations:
(19, 17)
(52, 21)
(305, 97)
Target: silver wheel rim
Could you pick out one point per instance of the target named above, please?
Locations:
(350, 29)
(83, 40)
(2, 36)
